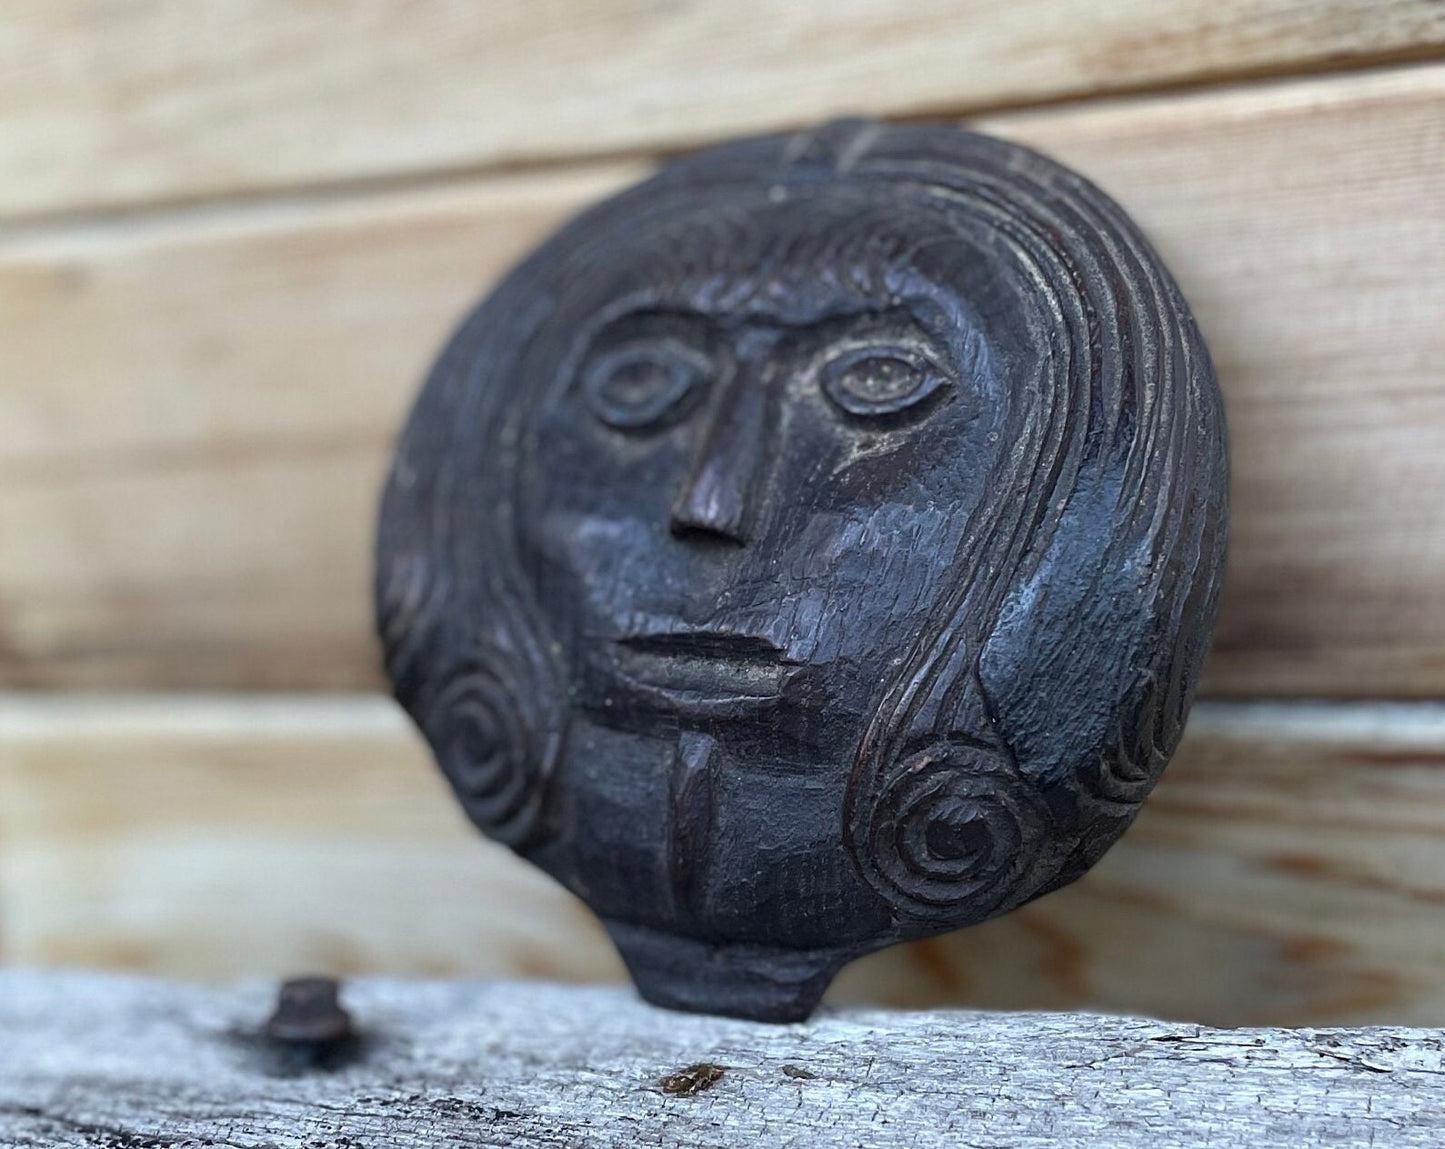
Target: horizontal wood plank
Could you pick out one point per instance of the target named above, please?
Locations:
(1289, 870)
(92, 1060)
(196, 408)
(106, 104)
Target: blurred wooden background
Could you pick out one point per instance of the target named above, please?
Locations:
(233, 234)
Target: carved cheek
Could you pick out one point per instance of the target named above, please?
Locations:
(851, 584)
(607, 557)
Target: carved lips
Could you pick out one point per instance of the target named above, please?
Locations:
(704, 666)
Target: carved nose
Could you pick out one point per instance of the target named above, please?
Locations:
(720, 492)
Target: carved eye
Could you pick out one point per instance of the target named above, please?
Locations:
(875, 381)
(644, 384)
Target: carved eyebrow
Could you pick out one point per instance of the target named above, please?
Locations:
(895, 326)
(712, 332)
(684, 325)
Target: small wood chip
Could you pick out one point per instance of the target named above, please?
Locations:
(693, 1080)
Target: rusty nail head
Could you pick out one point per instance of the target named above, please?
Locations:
(308, 1010)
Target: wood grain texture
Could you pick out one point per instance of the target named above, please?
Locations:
(196, 409)
(94, 1060)
(1289, 869)
(192, 480)
(107, 104)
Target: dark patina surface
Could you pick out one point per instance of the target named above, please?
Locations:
(811, 548)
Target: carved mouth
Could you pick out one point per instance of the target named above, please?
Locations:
(705, 665)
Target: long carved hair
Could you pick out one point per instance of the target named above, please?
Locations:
(464, 645)
(1038, 708)
(1084, 590)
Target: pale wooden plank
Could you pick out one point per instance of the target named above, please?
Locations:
(195, 421)
(94, 1060)
(1290, 869)
(104, 103)
(196, 409)
(222, 838)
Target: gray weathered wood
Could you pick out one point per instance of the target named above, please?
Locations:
(117, 1061)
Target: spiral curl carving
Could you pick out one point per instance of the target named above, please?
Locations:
(951, 833)
(489, 751)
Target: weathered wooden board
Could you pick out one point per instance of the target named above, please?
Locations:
(90, 1060)
(195, 409)
(104, 103)
(1290, 869)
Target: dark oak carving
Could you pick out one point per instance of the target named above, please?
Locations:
(811, 548)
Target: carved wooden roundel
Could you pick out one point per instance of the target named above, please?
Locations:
(810, 548)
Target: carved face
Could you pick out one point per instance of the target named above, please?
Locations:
(747, 483)
(772, 563)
